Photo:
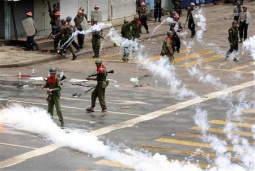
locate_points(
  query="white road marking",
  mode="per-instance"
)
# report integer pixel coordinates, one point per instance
(129, 123)
(21, 146)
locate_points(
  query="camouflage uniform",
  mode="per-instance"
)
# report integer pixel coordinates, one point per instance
(78, 20)
(127, 34)
(136, 29)
(56, 27)
(96, 42)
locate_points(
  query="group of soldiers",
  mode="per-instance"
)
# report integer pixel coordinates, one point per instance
(238, 32)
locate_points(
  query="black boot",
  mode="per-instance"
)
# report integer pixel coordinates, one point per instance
(74, 57)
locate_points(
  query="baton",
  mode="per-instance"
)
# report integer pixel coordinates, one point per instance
(90, 89)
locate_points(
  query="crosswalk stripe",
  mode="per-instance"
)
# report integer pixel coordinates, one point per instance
(193, 55)
(187, 143)
(220, 131)
(221, 122)
(203, 60)
(227, 70)
(250, 111)
(112, 164)
(248, 118)
(238, 68)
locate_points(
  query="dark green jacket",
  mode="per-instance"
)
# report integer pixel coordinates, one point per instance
(126, 30)
(233, 35)
(56, 87)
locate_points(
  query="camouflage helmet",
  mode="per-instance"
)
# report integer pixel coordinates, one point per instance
(53, 70)
(98, 61)
(63, 21)
(68, 19)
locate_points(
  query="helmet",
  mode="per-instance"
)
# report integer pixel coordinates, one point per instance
(29, 14)
(234, 22)
(176, 15)
(63, 21)
(98, 61)
(68, 19)
(238, 2)
(96, 6)
(192, 4)
(80, 11)
(125, 20)
(169, 33)
(53, 70)
(55, 5)
(142, 3)
(136, 17)
(57, 13)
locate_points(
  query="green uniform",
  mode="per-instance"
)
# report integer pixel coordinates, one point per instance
(77, 21)
(233, 40)
(96, 41)
(167, 49)
(99, 90)
(55, 24)
(126, 30)
(66, 33)
(53, 97)
(136, 28)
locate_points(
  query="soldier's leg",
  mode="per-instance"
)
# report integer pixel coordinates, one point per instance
(101, 96)
(146, 25)
(178, 44)
(241, 31)
(97, 48)
(70, 47)
(155, 14)
(50, 107)
(159, 14)
(235, 50)
(76, 46)
(81, 40)
(58, 108)
(245, 30)
(56, 42)
(228, 53)
(94, 47)
(94, 96)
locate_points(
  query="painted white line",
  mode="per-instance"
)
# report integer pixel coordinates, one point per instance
(170, 109)
(23, 157)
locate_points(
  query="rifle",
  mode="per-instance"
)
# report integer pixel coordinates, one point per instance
(49, 9)
(92, 75)
(90, 89)
(102, 38)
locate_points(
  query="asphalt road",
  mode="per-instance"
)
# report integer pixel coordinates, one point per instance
(164, 114)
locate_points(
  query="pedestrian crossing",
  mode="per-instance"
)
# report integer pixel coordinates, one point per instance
(184, 144)
(206, 59)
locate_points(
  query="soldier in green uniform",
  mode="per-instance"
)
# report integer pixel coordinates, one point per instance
(233, 40)
(55, 27)
(127, 34)
(136, 27)
(99, 90)
(65, 34)
(96, 39)
(54, 87)
(167, 47)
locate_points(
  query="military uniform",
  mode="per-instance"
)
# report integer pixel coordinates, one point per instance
(136, 29)
(127, 34)
(54, 96)
(56, 27)
(96, 42)
(78, 20)
(177, 6)
(167, 48)
(142, 12)
(233, 40)
(99, 90)
(69, 24)
(157, 10)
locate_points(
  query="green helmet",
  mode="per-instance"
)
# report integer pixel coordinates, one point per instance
(63, 21)
(53, 70)
(98, 61)
(234, 22)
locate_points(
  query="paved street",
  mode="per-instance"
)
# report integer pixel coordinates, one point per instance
(190, 111)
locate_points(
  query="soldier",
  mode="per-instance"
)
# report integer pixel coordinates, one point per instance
(55, 27)
(233, 40)
(136, 27)
(127, 34)
(99, 90)
(175, 27)
(52, 13)
(167, 47)
(191, 23)
(142, 12)
(78, 20)
(65, 34)
(69, 24)
(96, 39)
(30, 39)
(237, 10)
(244, 20)
(54, 87)
(157, 10)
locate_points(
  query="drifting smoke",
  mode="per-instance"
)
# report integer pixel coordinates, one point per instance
(249, 45)
(167, 20)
